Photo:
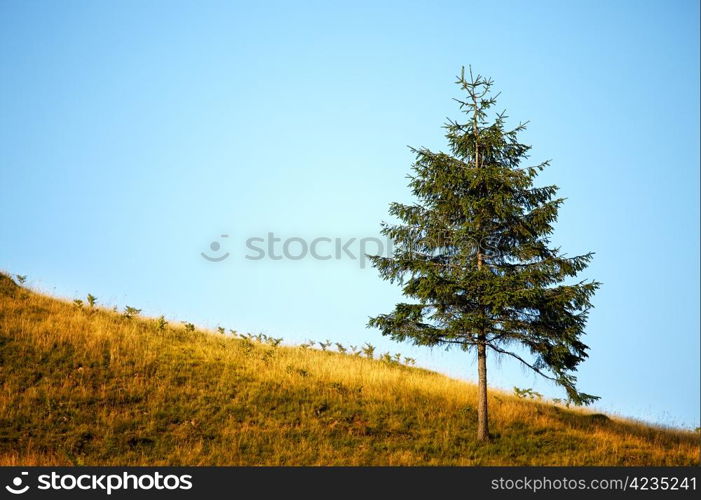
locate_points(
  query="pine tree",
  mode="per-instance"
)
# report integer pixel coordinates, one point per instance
(474, 252)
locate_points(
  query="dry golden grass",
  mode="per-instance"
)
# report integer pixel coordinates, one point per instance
(90, 387)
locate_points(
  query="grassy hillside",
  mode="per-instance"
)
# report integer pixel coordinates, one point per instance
(89, 386)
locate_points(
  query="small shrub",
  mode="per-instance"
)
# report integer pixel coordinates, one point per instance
(221, 330)
(274, 341)
(78, 303)
(341, 348)
(189, 327)
(369, 350)
(161, 324)
(130, 312)
(527, 393)
(21, 278)
(92, 300)
(325, 345)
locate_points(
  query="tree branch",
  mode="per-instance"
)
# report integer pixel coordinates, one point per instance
(539, 372)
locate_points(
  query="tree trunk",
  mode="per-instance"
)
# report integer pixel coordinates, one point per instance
(482, 412)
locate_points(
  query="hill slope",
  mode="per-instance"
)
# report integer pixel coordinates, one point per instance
(90, 387)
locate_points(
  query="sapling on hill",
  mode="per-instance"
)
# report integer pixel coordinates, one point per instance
(130, 312)
(368, 350)
(527, 393)
(161, 324)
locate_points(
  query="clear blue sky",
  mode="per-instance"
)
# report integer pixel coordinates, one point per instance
(133, 134)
